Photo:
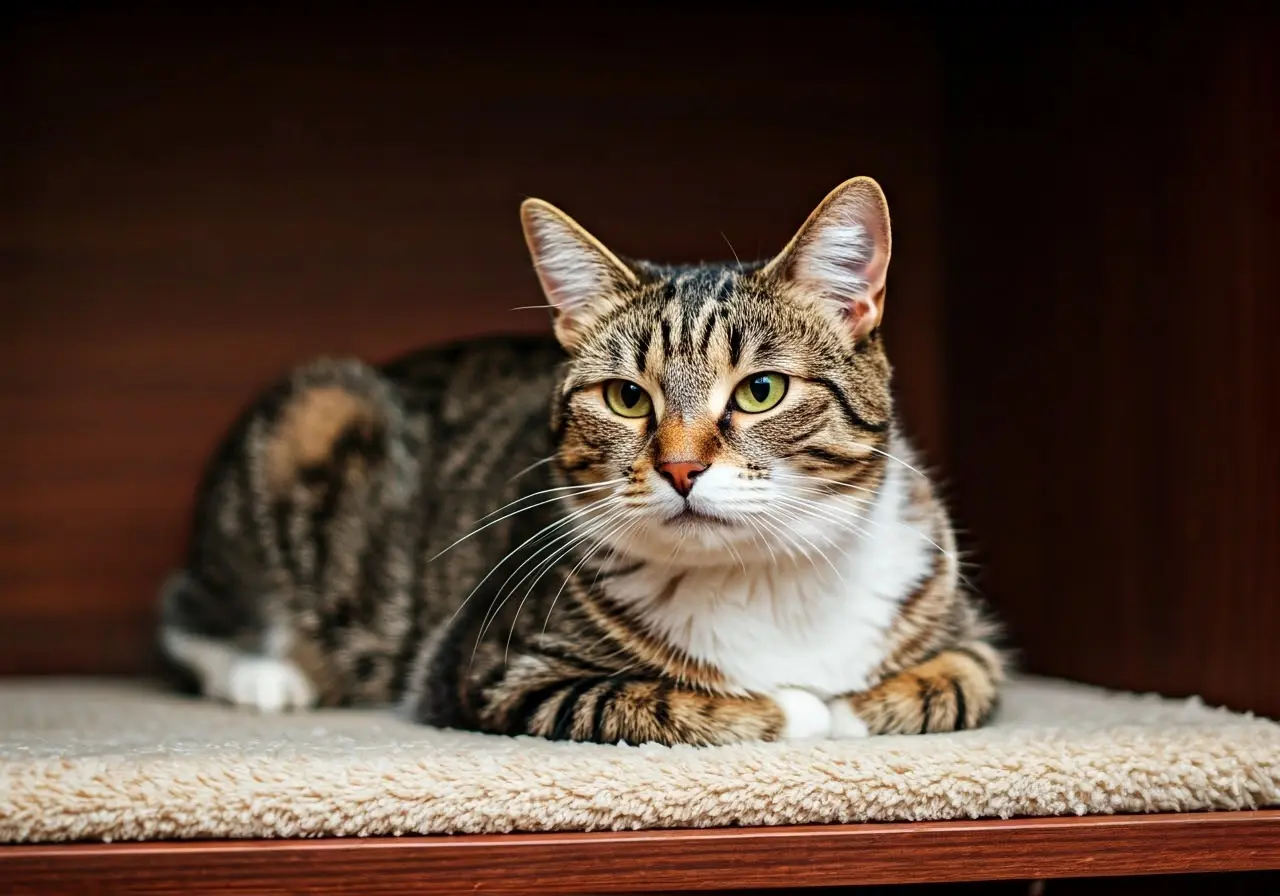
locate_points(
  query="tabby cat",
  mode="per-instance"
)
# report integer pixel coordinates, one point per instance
(689, 518)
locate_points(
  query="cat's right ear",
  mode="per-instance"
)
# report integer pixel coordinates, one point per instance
(840, 257)
(580, 277)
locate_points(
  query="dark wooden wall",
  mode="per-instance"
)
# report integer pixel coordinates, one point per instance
(191, 202)
(1112, 240)
(1082, 310)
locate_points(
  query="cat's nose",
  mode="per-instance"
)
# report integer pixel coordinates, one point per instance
(681, 474)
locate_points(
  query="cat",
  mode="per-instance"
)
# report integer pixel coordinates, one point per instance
(691, 517)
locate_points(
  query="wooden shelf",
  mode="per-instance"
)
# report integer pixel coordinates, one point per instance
(1107, 304)
(810, 856)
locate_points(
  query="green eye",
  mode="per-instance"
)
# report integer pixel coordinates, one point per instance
(760, 392)
(626, 399)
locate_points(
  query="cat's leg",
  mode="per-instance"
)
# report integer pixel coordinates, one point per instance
(297, 548)
(955, 689)
(260, 676)
(562, 703)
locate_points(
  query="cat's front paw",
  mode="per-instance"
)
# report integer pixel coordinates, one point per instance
(845, 723)
(805, 715)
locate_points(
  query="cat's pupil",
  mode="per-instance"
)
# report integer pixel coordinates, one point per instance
(630, 394)
(760, 388)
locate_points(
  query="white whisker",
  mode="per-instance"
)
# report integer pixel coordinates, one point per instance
(554, 548)
(585, 488)
(729, 547)
(894, 459)
(805, 476)
(612, 533)
(613, 553)
(736, 259)
(783, 524)
(795, 519)
(543, 531)
(537, 463)
(784, 537)
(820, 511)
(758, 535)
(547, 568)
(594, 488)
(950, 555)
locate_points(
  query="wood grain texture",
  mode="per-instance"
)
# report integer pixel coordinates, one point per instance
(677, 860)
(193, 202)
(1081, 308)
(1112, 218)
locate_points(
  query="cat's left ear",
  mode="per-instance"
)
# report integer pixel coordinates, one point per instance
(840, 257)
(580, 277)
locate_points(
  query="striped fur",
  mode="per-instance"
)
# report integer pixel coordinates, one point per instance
(474, 532)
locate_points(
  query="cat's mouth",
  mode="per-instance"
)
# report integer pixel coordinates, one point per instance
(689, 516)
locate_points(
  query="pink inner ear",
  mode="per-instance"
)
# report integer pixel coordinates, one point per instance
(862, 315)
(842, 262)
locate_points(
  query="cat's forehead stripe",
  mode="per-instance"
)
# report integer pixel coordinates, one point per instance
(716, 318)
(690, 313)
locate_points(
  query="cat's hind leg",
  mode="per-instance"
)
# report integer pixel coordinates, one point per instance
(261, 676)
(297, 584)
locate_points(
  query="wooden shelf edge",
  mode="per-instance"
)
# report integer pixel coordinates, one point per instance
(722, 858)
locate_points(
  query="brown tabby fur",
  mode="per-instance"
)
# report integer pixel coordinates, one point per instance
(381, 534)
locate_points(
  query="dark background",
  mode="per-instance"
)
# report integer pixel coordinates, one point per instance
(1082, 306)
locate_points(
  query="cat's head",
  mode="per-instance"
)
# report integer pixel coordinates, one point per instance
(723, 408)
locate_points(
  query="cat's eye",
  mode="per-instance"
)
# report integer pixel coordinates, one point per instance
(626, 399)
(760, 392)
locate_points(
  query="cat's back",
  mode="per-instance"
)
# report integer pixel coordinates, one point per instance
(482, 406)
(452, 377)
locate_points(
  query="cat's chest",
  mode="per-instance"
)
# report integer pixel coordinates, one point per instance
(819, 629)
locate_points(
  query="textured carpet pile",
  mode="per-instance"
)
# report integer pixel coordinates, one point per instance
(115, 761)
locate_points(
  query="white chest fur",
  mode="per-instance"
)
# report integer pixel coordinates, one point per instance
(813, 625)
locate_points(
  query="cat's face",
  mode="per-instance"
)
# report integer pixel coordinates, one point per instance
(724, 413)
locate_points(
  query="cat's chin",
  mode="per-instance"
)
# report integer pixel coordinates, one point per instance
(691, 517)
(692, 538)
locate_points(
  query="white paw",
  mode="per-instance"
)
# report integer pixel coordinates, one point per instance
(806, 715)
(269, 685)
(845, 722)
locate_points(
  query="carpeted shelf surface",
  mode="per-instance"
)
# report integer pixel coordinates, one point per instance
(106, 760)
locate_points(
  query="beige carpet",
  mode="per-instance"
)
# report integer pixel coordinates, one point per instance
(104, 760)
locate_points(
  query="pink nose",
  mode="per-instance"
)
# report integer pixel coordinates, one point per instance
(681, 474)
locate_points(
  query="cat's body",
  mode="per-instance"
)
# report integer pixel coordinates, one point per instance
(604, 538)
